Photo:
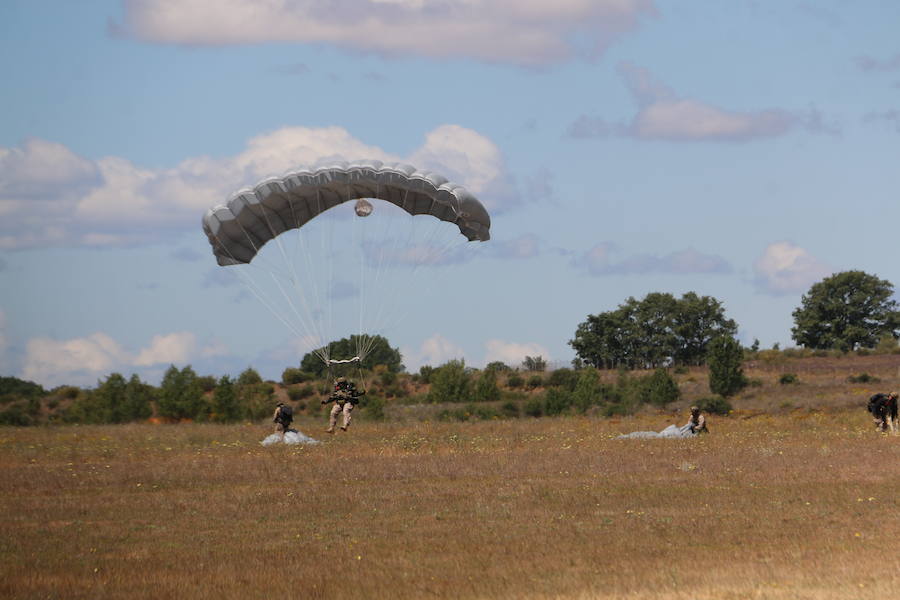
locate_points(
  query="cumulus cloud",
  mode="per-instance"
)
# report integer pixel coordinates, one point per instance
(664, 115)
(434, 351)
(524, 246)
(523, 32)
(599, 260)
(512, 353)
(50, 196)
(170, 348)
(83, 360)
(785, 268)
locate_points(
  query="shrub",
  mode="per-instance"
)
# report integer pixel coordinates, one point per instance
(535, 381)
(387, 378)
(716, 405)
(788, 378)
(486, 389)
(755, 383)
(485, 413)
(680, 370)
(498, 366)
(863, 378)
(726, 376)
(450, 383)
(453, 414)
(534, 407)
(301, 393)
(659, 388)
(564, 378)
(293, 375)
(588, 390)
(515, 381)
(374, 406)
(509, 410)
(556, 401)
(425, 373)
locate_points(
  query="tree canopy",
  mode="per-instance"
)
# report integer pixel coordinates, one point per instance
(653, 331)
(846, 311)
(381, 353)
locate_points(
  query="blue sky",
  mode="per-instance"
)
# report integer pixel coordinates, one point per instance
(743, 150)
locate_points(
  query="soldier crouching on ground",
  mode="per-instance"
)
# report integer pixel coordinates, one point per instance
(884, 411)
(697, 422)
(282, 418)
(345, 396)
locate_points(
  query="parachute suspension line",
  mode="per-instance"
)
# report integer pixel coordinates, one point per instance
(385, 251)
(320, 348)
(251, 285)
(308, 323)
(292, 277)
(359, 232)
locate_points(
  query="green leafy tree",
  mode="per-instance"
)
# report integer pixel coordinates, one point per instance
(254, 395)
(180, 394)
(226, 407)
(450, 383)
(726, 374)
(486, 389)
(659, 388)
(652, 332)
(534, 363)
(138, 401)
(588, 390)
(846, 311)
(380, 353)
(249, 376)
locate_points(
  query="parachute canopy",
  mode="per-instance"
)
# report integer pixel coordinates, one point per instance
(253, 216)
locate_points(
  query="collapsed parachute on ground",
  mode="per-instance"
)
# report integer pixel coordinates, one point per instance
(253, 216)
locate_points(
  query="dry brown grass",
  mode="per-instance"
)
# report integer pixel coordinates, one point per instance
(800, 505)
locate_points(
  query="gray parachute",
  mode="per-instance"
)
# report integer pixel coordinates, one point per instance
(238, 229)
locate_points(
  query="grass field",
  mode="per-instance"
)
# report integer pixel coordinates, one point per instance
(796, 505)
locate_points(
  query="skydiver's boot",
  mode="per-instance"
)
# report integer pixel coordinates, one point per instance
(329, 430)
(343, 428)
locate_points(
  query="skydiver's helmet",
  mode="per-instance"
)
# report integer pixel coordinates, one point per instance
(340, 383)
(695, 410)
(363, 208)
(893, 395)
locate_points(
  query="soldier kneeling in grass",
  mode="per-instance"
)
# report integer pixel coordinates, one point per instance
(884, 411)
(345, 396)
(697, 422)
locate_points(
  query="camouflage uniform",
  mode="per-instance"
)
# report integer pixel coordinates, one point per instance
(344, 398)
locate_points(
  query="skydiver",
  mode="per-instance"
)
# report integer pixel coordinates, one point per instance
(698, 421)
(884, 411)
(282, 418)
(345, 396)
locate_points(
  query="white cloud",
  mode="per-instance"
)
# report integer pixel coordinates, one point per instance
(599, 261)
(434, 351)
(524, 32)
(526, 245)
(52, 362)
(785, 268)
(82, 361)
(664, 115)
(50, 196)
(512, 353)
(170, 348)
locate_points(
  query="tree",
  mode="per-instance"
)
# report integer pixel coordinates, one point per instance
(380, 353)
(846, 311)
(659, 388)
(107, 402)
(726, 376)
(588, 390)
(450, 383)
(534, 363)
(652, 332)
(180, 394)
(226, 407)
(138, 401)
(486, 389)
(254, 395)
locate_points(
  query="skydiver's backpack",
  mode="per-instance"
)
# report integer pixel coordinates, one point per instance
(287, 414)
(876, 402)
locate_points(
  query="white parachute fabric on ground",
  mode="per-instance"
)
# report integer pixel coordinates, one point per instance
(291, 438)
(672, 431)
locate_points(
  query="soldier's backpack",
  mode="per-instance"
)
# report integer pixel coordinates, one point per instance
(287, 413)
